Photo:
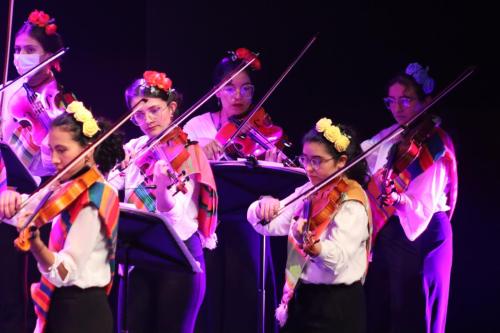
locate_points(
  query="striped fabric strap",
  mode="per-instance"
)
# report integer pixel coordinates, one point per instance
(143, 198)
(23, 146)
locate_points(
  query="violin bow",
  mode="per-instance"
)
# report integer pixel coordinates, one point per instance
(6, 61)
(397, 131)
(153, 141)
(269, 92)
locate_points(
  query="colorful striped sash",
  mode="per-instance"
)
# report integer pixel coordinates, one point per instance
(437, 146)
(105, 199)
(23, 145)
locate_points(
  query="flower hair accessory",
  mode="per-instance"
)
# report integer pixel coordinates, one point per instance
(333, 134)
(421, 75)
(158, 80)
(246, 55)
(43, 20)
(81, 114)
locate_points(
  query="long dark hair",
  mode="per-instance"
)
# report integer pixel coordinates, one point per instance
(107, 154)
(358, 172)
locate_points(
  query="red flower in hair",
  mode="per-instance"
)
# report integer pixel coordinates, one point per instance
(158, 80)
(51, 29)
(247, 55)
(39, 18)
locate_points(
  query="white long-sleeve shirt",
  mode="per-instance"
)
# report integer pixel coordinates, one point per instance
(183, 217)
(343, 257)
(424, 196)
(84, 255)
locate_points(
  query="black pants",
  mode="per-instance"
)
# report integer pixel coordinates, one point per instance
(76, 310)
(166, 301)
(408, 281)
(318, 308)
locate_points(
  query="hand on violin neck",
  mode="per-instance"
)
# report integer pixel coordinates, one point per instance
(311, 245)
(268, 208)
(390, 196)
(10, 203)
(162, 179)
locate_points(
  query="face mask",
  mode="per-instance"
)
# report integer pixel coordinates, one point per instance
(25, 62)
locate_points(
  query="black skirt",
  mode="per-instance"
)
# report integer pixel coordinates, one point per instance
(76, 310)
(317, 308)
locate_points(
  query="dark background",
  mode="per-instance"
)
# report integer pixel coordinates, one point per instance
(361, 45)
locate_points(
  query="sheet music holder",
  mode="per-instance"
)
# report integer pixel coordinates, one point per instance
(146, 240)
(18, 175)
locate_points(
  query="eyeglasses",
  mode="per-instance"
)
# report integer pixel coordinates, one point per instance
(246, 90)
(140, 116)
(315, 161)
(402, 101)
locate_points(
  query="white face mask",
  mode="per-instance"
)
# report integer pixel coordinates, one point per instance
(25, 62)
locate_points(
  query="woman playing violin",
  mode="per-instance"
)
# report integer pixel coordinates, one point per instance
(78, 263)
(29, 106)
(25, 129)
(174, 298)
(408, 281)
(235, 101)
(328, 235)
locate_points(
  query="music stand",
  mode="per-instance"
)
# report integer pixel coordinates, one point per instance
(18, 175)
(146, 240)
(239, 184)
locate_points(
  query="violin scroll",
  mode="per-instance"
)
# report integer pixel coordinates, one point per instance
(23, 241)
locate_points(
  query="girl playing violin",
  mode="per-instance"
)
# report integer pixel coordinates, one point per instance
(235, 101)
(408, 282)
(328, 236)
(29, 106)
(78, 263)
(167, 301)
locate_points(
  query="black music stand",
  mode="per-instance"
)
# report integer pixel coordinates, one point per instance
(146, 240)
(239, 184)
(18, 175)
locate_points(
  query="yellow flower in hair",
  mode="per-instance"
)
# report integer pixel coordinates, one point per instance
(323, 124)
(332, 134)
(90, 127)
(74, 106)
(342, 143)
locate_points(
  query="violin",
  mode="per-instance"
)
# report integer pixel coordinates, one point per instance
(406, 151)
(31, 110)
(47, 209)
(259, 135)
(171, 149)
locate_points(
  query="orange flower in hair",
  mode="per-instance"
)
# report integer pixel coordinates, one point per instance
(42, 20)
(158, 80)
(246, 55)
